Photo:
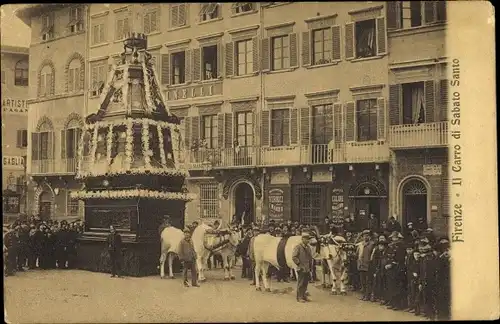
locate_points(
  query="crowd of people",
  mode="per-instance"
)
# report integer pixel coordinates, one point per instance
(32, 243)
(403, 268)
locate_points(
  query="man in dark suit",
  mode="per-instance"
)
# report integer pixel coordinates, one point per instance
(187, 256)
(114, 241)
(302, 257)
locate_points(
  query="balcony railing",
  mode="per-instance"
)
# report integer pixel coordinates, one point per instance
(322, 154)
(419, 135)
(54, 166)
(222, 158)
(366, 152)
(281, 155)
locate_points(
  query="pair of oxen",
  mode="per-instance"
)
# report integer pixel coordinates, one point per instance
(266, 250)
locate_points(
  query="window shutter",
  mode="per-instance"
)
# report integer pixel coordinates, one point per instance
(306, 52)
(441, 10)
(165, 69)
(294, 126)
(174, 15)
(305, 133)
(255, 52)
(229, 59)
(187, 135)
(187, 66)
(70, 80)
(78, 140)
(220, 127)
(266, 55)
(381, 118)
(394, 104)
(429, 14)
(195, 128)
(35, 146)
(102, 33)
(182, 15)
(329, 123)
(265, 127)
(350, 123)
(228, 129)
(50, 83)
(336, 56)
(50, 146)
(63, 144)
(19, 140)
(337, 115)
(147, 26)
(349, 41)
(381, 36)
(294, 52)
(443, 99)
(220, 59)
(126, 28)
(119, 29)
(196, 64)
(78, 79)
(393, 14)
(429, 101)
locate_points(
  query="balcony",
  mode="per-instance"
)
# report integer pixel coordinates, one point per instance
(281, 155)
(426, 135)
(366, 152)
(222, 158)
(53, 166)
(322, 154)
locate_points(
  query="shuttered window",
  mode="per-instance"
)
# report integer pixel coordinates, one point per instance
(280, 127)
(98, 72)
(210, 131)
(151, 20)
(21, 73)
(241, 7)
(46, 81)
(209, 200)
(366, 45)
(409, 14)
(98, 33)
(366, 38)
(209, 11)
(122, 28)
(22, 138)
(244, 58)
(74, 83)
(413, 111)
(244, 128)
(178, 15)
(322, 129)
(178, 67)
(210, 57)
(322, 46)
(280, 52)
(366, 120)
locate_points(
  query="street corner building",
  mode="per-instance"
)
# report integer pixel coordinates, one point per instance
(288, 110)
(15, 67)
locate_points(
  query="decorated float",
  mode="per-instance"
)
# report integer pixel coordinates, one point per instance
(129, 164)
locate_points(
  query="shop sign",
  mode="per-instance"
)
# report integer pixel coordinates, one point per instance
(322, 176)
(279, 178)
(338, 206)
(14, 106)
(13, 162)
(432, 169)
(196, 91)
(276, 204)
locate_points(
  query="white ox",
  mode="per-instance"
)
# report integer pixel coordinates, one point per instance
(265, 252)
(334, 252)
(170, 240)
(206, 240)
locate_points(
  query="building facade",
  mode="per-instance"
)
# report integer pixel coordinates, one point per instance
(15, 78)
(57, 105)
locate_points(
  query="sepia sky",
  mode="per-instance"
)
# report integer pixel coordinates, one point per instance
(13, 31)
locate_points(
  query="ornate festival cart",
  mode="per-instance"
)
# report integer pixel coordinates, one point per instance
(129, 164)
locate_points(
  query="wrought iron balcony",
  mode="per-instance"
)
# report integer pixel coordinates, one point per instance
(418, 135)
(53, 166)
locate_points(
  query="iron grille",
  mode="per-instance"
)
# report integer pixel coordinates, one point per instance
(310, 198)
(209, 200)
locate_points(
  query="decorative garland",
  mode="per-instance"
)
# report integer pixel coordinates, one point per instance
(108, 84)
(80, 152)
(160, 143)
(94, 145)
(109, 144)
(133, 193)
(146, 153)
(124, 122)
(135, 171)
(125, 87)
(149, 103)
(128, 144)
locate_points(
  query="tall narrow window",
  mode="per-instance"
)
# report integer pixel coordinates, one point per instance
(98, 33)
(366, 119)
(245, 57)
(322, 46)
(244, 130)
(210, 131)
(209, 11)
(209, 200)
(74, 75)
(322, 124)
(46, 80)
(178, 67)
(122, 28)
(178, 15)
(365, 38)
(209, 57)
(98, 78)
(21, 73)
(281, 51)
(280, 127)
(413, 103)
(151, 21)
(22, 138)
(411, 13)
(47, 32)
(75, 19)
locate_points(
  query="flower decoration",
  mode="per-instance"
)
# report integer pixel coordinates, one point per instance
(132, 193)
(109, 144)
(162, 147)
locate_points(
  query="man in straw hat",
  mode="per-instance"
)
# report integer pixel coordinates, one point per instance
(302, 257)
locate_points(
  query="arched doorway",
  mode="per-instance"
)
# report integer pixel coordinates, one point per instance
(244, 202)
(414, 195)
(367, 201)
(45, 205)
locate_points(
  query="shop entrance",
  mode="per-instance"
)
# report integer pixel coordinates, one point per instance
(244, 203)
(414, 201)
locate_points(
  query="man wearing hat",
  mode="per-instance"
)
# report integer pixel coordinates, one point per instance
(395, 271)
(443, 288)
(243, 251)
(11, 243)
(114, 242)
(302, 258)
(187, 256)
(364, 252)
(411, 269)
(427, 280)
(379, 260)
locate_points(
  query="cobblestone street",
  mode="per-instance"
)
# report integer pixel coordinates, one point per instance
(58, 296)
